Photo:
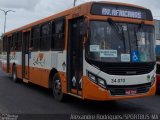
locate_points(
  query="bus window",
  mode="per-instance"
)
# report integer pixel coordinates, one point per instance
(58, 43)
(8, 47)
(46, 36)
(19, 37)
(53, 33)
(35, 38)
(5, 44)
(14, 42)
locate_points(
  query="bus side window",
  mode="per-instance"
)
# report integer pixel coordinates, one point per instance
(46, 36)
(35, 38)
(16, 41)
(59, 35)
(13, 41)
(4, 44)
(52, 35)
(8, 43)
(19, 41)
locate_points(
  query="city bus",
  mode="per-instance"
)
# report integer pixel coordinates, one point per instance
(96, 51)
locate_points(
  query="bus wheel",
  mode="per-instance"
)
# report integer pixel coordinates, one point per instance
(57, 88)
(14, 74)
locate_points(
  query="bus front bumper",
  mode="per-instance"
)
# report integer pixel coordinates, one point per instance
(92, 91)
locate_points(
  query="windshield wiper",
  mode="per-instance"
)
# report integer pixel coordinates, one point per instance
(139, 30)
(116, 29)
(137, 39)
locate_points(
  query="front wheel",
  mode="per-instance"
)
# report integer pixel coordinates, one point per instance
(57, 88)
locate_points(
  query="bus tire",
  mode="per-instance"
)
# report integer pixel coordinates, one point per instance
(57, 88)
(14, 73)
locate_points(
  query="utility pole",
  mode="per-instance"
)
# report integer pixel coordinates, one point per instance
(5, 13)
(74, 4)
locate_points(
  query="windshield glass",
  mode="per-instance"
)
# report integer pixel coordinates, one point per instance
(120, 42)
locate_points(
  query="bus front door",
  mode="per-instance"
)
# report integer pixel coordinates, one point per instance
(25, 56)
(75, 57)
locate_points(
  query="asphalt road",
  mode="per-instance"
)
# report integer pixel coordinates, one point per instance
(21, 98)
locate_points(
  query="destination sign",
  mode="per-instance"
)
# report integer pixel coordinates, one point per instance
(121, 11)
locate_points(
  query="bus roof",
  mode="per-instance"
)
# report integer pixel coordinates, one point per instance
(86, 8)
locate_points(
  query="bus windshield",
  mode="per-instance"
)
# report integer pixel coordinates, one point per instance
(120, 42)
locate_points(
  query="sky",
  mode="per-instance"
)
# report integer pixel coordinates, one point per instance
(27, 11)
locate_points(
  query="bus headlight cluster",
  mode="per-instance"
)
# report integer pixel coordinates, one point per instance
(92, 77)
(97, 80)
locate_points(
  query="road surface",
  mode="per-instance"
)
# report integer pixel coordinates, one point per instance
(21, 98)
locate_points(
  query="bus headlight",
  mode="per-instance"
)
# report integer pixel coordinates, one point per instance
(99, 81)
(92, 77)
(102, 82)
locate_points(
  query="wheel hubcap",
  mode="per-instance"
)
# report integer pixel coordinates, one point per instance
(57, 88)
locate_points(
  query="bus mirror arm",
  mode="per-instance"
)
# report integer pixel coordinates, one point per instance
(85, 29)
(85, 26)
(85, 39)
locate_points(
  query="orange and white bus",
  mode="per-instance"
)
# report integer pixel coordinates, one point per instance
(97, 50)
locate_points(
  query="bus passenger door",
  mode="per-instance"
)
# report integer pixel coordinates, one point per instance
(8, 53)
(75, 57)
(25, 55)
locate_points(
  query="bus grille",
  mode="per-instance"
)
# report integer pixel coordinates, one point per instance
(120, 90)
(128, 69)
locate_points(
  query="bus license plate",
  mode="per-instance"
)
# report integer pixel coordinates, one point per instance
(131, 92)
